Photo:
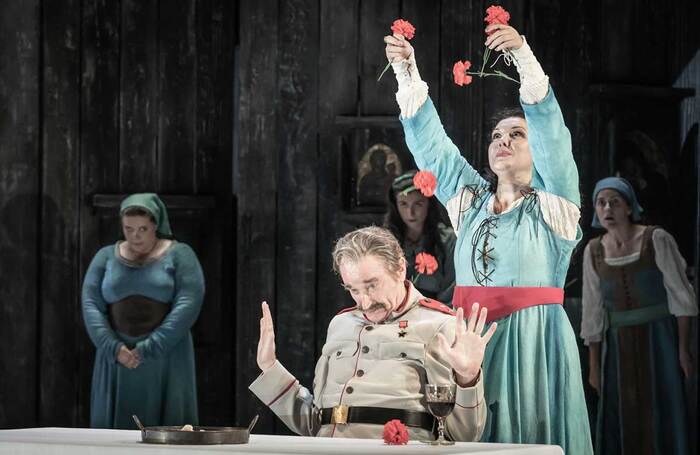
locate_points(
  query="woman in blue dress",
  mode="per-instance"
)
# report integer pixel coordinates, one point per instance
(637, 305)
(140, 298)
(515, 236)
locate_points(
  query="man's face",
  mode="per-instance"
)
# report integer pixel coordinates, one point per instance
(376, 290)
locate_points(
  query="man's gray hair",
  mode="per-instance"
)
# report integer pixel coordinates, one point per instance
(369, 241)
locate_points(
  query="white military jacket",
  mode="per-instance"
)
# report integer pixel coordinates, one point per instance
(367, 364)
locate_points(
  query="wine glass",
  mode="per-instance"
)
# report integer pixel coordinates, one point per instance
(441, 400)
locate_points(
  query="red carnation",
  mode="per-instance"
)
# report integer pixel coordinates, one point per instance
(404, 28)
(426, 263)
(459, 72)
(426, 182)
(395, 433)
(496, 15)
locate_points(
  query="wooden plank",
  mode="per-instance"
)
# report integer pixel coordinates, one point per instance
(297, 199)
(138, 88)
(177, 63)
(634, 92)
(368, 121)
(616, 23)
(99, 145)
(257, 179)
(60, 280)
(338, 85)
(460, 108)
(19, 209)
(171, 201)
(215, 25)
(425, 16)
(375, 22)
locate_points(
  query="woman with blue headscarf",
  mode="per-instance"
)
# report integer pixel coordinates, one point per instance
(636, 307)
(140, 298)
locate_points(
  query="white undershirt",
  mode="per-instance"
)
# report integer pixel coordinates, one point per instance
(561, 215)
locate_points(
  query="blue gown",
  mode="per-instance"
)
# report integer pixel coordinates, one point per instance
(642, 407)
(162, 389)
(532, 370)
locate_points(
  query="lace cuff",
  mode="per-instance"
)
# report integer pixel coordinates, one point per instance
(413, 91)
(534, 84)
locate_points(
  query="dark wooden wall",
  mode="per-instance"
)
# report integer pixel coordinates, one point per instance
(101, 97)
(309, 95)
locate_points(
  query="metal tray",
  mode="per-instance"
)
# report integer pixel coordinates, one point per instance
(198, 436)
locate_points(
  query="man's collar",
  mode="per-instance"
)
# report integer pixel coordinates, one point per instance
(410, 301)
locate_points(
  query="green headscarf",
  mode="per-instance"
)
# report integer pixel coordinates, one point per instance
(153, 205)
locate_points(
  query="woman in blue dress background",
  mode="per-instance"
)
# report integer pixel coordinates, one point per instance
(140, 298)
(515, 236)
(637, 305)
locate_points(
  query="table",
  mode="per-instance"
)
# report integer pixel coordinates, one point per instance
(84, 441)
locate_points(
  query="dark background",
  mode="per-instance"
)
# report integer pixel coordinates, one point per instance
(250, 118)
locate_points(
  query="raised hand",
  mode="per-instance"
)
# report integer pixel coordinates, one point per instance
(466, 352)
(129, 359)
(503, 38)
(397, 48)
(266, 345)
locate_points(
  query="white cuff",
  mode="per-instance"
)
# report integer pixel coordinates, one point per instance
(534, 84)
(413, 91)
(272, 383)
(470, 397)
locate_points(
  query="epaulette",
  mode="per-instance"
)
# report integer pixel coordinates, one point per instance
(437, 306)
(347, 310)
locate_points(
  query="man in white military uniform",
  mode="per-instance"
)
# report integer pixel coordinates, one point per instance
(379, 355)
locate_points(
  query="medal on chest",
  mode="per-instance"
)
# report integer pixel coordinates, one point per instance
(402, 328)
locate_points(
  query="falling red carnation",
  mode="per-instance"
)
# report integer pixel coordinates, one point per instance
(459, 72)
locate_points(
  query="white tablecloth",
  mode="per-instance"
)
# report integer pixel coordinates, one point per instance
(83, 441)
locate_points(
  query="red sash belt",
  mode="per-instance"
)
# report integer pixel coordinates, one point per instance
(502, 301)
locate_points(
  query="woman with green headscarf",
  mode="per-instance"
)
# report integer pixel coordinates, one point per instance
(140, 298)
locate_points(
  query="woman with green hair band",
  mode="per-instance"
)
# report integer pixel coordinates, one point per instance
(140, 298)
(416, 222)
(637, 305)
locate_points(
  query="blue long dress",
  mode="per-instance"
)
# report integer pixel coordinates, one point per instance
(532, 370)
(162, 389)
(642, 407)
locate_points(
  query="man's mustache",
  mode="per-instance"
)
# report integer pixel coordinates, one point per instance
(374, 306)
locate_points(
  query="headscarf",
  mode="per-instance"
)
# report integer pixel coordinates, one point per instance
(153, 205)
(623, 187)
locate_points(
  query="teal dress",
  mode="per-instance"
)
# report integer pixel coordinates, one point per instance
(532, 370)
(162, 389)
